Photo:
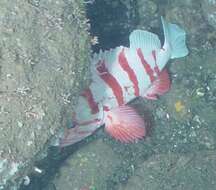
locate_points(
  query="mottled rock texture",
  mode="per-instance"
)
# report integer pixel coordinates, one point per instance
(175, 171)
(209, 11)
(44, 49)
(88, 168)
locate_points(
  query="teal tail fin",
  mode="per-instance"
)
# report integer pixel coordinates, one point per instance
(175, 37)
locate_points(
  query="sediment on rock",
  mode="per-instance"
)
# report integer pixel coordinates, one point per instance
(44, 50)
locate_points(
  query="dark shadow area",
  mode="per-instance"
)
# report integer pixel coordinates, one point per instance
(50, 165)
(112, 22)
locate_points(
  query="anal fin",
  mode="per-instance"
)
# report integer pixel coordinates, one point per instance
(160, 86)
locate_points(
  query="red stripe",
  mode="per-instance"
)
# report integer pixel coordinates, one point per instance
(111, 81)
(132, 76)
(147, 67)
(90, 99)
(156, 69)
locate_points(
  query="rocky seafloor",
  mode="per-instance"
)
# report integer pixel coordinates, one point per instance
(179, 150)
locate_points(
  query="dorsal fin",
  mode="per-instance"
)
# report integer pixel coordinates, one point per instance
(145, 40)
(109, 56)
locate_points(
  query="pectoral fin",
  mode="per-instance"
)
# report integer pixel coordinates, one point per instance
(124, 124)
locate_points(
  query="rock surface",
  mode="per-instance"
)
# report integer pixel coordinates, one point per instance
(87, 168)
(44, 49)
(175, 171)
(209, 11)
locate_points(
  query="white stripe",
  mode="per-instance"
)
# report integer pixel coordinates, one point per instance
(121, 76)
(163, 56)
(102, 93)
(136, 64)
(100, 90)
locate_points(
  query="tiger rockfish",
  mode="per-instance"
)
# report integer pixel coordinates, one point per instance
(120, 75)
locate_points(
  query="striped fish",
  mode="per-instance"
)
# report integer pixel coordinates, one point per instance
(120, 75)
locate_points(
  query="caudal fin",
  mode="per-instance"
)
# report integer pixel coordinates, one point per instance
(175, 37)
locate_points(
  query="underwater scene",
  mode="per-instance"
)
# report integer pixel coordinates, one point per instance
(108, 94)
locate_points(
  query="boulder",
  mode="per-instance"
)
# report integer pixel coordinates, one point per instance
(44, 51)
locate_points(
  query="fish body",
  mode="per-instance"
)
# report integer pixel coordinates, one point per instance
(120, 75)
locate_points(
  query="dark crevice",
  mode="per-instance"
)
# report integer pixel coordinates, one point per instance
(112, 22)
